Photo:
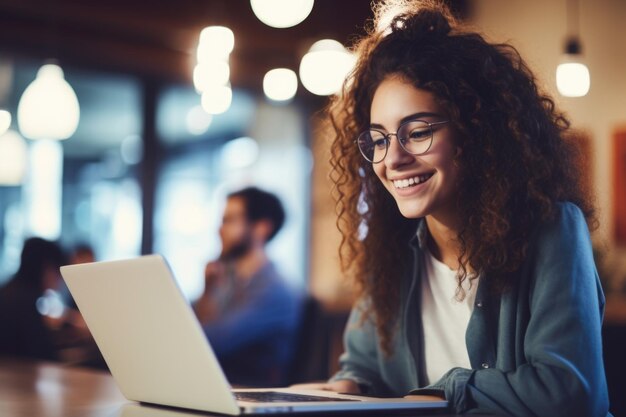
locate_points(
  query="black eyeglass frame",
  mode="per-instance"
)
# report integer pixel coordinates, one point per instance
(387, 137)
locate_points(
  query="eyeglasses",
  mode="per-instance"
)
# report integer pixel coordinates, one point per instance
(415, 137)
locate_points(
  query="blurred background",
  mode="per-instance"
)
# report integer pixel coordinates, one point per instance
(159, 118)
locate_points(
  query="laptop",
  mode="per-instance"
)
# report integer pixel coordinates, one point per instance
(158, 353)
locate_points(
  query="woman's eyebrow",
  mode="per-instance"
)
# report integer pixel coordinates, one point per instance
(407, 118)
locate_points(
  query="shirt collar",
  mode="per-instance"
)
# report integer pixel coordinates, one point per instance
(421, 235)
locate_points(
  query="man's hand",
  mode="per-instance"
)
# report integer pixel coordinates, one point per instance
(214, 275)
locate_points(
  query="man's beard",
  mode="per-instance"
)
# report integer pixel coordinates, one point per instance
(237, 250)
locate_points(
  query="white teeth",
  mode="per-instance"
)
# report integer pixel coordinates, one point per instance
(411, 181)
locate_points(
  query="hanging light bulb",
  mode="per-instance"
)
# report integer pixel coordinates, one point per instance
(13, 158)
(210, 73)
(324, 68)
(280, 84)
(281, 13)
(48, 109)
(216, 42)
(572, 75)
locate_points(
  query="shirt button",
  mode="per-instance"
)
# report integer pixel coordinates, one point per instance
(479, 304)
(485, 365)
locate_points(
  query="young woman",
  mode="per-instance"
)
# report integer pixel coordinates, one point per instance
(465, 224)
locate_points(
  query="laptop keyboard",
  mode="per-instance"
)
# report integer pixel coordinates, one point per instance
(275, 397)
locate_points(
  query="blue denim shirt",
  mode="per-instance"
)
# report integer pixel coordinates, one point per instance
(535, 350)
(254, 335)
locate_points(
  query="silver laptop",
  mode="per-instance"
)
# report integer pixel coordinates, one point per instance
(158, 353)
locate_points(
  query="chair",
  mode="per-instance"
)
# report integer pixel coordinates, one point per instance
(314, 355)
(614, 344)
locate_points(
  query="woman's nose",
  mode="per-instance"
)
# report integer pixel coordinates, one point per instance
(396, 155)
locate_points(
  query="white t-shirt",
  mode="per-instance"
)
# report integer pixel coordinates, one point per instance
(444, 319)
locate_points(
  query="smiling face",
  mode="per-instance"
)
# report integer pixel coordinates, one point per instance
(422, 185)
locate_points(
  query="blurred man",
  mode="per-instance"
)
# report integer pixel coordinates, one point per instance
(247, 310)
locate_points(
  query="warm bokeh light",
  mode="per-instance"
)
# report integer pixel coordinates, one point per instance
(572, 79)
(280, 84)
(216, 42)
(5, 121)
(48, 109)
(13, 158)
(217, 99)
(211, 75)
(281, 13)
(324, 68)
(214, 72)
(387, 14)
(198, 121)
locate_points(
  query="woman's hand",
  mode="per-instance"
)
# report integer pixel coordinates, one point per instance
(344, 386)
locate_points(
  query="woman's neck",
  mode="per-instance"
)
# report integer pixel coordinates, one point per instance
(442, 240)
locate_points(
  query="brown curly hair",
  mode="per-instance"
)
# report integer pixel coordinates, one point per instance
(515, 162)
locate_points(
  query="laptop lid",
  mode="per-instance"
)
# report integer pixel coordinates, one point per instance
(157, 352)
(148, 334)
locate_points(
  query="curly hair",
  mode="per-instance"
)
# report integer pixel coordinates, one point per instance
(516, 162)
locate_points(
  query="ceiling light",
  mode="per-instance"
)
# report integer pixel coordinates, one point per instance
(210, 73)
(572, 75)
(280, 84)
(48, 109)
(325, 67)
(281, 13)
(216, 42)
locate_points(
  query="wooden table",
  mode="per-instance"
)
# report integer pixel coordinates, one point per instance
(40, 389)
